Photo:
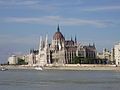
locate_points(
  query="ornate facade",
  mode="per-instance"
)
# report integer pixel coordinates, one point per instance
(59, 51)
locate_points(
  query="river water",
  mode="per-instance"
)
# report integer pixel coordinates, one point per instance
(59, 80)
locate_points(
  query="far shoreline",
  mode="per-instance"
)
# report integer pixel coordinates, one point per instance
(74, 67)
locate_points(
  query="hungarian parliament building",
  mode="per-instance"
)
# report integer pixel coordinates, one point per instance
(59, 51)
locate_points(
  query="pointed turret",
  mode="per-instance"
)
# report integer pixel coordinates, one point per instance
(46, 41)
(58, 29)
(40, 44)
(71, 38)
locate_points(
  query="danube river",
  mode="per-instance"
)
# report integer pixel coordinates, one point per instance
(59, 80)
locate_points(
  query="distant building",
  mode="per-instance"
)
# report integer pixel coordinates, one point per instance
(117, 53)
(12, 60)
(107, 55)
(31, 57)
(15, 59)
(100, 55)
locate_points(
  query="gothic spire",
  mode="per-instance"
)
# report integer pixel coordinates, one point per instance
(58, 29)
(71, 38)
(40, 45)
(46, 41)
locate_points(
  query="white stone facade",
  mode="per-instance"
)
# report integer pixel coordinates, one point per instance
(42, 55)
(12, 60)
(117, 54)
(40, 58)
(107, 55)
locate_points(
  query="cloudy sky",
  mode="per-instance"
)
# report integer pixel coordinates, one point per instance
(22, 22)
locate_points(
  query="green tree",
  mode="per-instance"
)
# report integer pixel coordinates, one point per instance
(77, 60)
(83, 60)
(21, 61)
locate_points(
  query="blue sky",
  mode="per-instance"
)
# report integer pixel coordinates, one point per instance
(22, 22)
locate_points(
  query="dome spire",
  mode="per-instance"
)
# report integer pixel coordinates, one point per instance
(71, 38)
(75, 39)
(58, 35)
(58, 29)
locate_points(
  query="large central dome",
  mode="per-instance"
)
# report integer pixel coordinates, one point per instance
(58, 35)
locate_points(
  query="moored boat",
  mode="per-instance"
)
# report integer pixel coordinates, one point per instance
(38, 68)
(3, 69)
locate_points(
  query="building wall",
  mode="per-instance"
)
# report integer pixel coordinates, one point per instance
(112, 56)
(117, 54)
(32, 59)
(107, 54)
(86, 51)
(12, 60)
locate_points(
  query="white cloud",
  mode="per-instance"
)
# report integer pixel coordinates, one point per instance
(18, 2)
(52, 20)
(102, 8)
(27, 4)
(53, 5)
(47, 2)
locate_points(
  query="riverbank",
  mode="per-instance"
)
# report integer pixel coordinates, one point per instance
(68, 67)
(85, 67)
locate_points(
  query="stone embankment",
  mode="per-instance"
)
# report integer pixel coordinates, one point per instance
(68, 67)
(85, 67)
(16, 67)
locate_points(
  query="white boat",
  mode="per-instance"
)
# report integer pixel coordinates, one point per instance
(38, 68)
(3, 69)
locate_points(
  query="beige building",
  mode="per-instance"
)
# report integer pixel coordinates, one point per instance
(107, 55)
(113, 56)
(117, 53)
(12, 60)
